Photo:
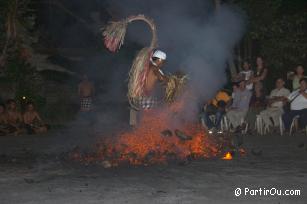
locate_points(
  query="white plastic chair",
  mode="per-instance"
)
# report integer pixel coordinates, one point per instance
(224, 123)
(281, 126)
(294, 124)
(259, 125)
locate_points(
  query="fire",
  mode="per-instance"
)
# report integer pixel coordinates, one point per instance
(227, 156)
(162, 136)
(158, 141)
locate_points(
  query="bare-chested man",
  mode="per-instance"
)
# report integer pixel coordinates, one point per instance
(154, 76)
(86, 92)
(148, 100)
(33, 121)
(14, 118)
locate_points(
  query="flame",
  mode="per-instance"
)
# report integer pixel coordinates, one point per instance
(227, 156)
(149, 145)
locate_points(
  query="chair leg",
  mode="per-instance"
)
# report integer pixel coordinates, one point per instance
(262, 127)
(256, 126)
(281, 126)
(295, 124)
(226, 124)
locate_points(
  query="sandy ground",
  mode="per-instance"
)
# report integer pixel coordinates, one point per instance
(30, 172)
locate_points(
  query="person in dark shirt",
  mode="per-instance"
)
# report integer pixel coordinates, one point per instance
(257, 104)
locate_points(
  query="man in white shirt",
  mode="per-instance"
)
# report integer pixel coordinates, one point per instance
(247, 74)
(298, 101)
(276, 101)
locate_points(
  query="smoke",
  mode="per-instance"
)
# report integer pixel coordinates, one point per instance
(197, 39)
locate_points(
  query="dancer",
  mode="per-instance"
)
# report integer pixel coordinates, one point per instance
(146, 69)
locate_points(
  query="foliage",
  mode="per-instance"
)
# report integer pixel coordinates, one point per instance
(279, 28)
(27, 82)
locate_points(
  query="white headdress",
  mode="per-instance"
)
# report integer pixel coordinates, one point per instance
(159, 54)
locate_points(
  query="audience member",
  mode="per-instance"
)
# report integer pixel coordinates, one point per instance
(240, 105)
(14, 118)
(3, 121)
(299, 74)
(298, 106)
(261, 73)
(276, 102)
(256, 105)
(33, 121)
(215, 107)
(247, 74)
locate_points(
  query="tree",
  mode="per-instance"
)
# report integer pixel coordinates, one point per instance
(276, 30)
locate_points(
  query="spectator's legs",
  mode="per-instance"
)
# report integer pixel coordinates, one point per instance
(303, 118)
(265, 115)
(235, 117)
(269, 113)
(208, 121)
(287, 118)
(218, 118)
(275, 115)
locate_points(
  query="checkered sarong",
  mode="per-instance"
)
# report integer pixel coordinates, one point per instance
(86, 104)
(147, 102)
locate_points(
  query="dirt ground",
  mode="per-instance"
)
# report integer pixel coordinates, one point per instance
(31, 171)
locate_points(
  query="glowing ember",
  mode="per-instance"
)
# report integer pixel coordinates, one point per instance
(227, 156)
(155, 142)
(162, 136)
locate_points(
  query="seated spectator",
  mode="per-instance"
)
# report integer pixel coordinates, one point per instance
(240, 105)
(14, 118)
(256, 105)
(247, 74)
(33, 121)
(299, 74)
(298, 106)
(217, 108)
(276, 102)
(3, 121)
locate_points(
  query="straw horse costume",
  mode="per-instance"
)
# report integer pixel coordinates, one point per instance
(143, 64)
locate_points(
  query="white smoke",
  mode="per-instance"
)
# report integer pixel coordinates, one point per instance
(197, 39)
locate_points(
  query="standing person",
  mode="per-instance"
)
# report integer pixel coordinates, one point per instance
(261, 73)
(299, 74)
(298, 106)
(276, 102)
(240, 105)
(145, 71)
(247, 74)
(14, 118)
(86, 92)
(33, 121)
(217, 107)
(148, 99)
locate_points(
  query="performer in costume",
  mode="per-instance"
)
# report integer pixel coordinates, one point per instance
(146, 68)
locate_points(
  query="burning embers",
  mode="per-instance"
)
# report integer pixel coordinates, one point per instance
(155, 142)
(158, 139)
